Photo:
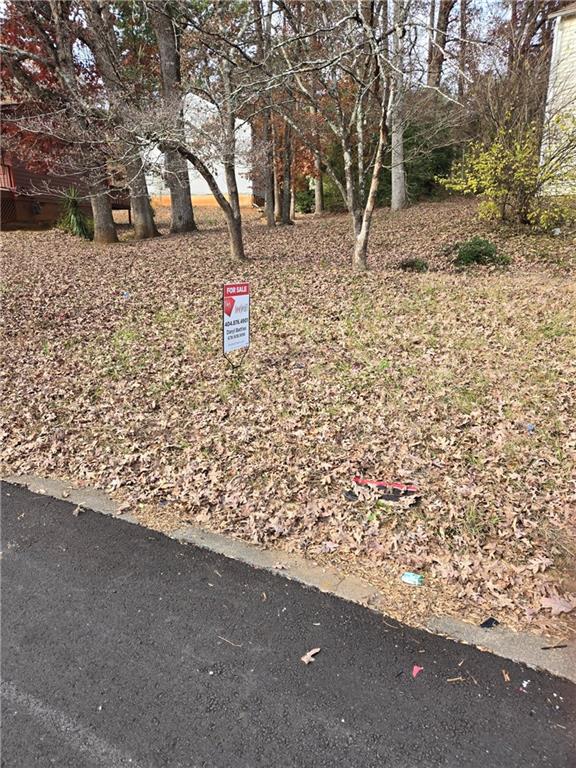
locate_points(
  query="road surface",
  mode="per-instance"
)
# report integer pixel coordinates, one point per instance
(122, 647)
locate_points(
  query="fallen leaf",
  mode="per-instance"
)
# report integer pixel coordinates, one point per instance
(416, 670)
(506, 676)
(557, 604)
(308, 658)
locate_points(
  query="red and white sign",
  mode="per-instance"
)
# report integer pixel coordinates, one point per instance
(235, 316)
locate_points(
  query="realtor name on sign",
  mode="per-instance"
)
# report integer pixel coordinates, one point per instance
(235, 317)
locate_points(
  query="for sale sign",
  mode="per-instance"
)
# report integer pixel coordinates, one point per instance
(235, 316)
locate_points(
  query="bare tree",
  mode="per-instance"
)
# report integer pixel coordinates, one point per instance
(351, 74)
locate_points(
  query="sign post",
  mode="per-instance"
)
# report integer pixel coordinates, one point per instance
(235, 319)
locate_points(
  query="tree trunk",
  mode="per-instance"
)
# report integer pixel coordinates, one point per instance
(104, 226)
(269, 171)
(318, 185)
(263, 31)
(360, 258)
(142, 215)
(351, 190)
(462, 49)
(360, 150)
(231, 209)
(236, 242)
(276, 177)
(182, 213)
(399, 195)
(293, 199)
(287, 175)
(438, 51)
(431, 32)
(234, 218)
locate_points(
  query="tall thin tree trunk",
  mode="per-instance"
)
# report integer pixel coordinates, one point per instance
(351, 189)
(398, 173)
(231, 208)
(287, 175)
(360, 137)
(178, 181)
(235, 218)
(318, 184)
(142, 215)
(399, 192)
(263, 30)
(276, 176)
(293, 198)
(431, 32)
(360, 258)
(232, 211)
(182, 213)
(269, 175)
(104, 226)
(462, 49)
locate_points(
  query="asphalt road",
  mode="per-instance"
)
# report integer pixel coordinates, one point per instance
(121, 647)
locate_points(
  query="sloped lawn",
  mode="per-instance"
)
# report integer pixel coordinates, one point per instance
(462, 383)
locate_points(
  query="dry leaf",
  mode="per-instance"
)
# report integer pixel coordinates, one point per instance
(308, 658)
(506, 676)
(557, 604)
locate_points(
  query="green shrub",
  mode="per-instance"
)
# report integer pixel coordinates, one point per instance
(305, 201)
(479, 251)
(516, 172)
(414, 265)
(73, 219)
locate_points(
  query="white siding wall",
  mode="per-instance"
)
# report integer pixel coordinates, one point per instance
(199, 116)
(562, 85)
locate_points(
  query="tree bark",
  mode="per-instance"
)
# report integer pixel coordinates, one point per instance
(269, 171)
(234, 219)
(462, 49)
(398, 173)
(437, 58)
(236, 241)
(142, 216)
(178, 181)
(318, 185)
(231, 209)
(182, 213)
(287, 175)
(263, 31)
(431, 32)
(104, 226)
(360, 259)
(399, 193)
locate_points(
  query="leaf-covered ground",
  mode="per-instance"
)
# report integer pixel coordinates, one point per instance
(462, 383)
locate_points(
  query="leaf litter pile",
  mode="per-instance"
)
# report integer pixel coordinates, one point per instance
(460, 383)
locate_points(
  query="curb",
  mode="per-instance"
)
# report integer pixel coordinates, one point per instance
(516, 646)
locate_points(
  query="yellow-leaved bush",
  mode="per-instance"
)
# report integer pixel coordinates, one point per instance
(518, 174)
